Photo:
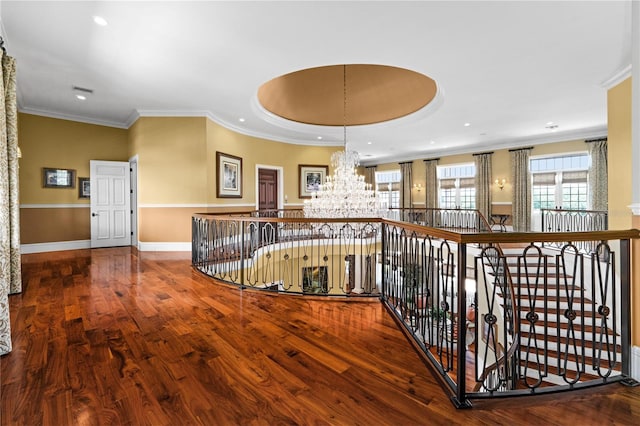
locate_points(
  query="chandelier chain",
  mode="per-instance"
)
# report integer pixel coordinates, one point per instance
(344, 109)
(345, 194)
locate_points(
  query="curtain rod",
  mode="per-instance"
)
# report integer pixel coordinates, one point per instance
(596, 140)
(483, 153)
(520, 149)
(432, 159)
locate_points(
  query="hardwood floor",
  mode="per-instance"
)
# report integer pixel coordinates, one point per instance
(116, 336)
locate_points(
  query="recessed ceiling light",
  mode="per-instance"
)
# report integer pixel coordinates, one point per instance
(433, 142)
(549, 123)
(100, 21)
(467, 124)
(369, 143)
(319, 138)
(81, 97)
(241, 120)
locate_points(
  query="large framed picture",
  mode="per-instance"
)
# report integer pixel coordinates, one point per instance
(229, 175)
(58, 178)
(311, 177)
(84, 187)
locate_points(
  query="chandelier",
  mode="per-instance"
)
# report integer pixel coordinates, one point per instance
(345, 194)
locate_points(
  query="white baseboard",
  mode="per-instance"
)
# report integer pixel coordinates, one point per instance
(55, 246)
(85, 244)
(635, 362)
(164, 246)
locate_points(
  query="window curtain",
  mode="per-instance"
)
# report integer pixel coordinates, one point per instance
(406, 197)
(10, 272)
(370, 175)
(431, 184)
(598, 183)
(520, 176)
(483, 184)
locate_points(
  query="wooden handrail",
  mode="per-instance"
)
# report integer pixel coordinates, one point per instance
(458, 237)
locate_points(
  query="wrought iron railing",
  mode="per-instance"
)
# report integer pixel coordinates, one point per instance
(565, 220)
(292, 255)
(494, 314)
(461, 220)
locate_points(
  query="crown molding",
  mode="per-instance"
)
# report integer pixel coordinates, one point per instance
(617, 77)
(133, 117)
(71, 117)
(554, 137)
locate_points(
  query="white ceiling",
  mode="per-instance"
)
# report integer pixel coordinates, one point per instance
(508, 68)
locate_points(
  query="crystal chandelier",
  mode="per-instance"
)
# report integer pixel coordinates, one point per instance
(345, 194)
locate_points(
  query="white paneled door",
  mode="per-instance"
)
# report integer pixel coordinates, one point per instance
(110, 204)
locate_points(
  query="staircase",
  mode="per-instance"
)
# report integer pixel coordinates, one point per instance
(561, 329)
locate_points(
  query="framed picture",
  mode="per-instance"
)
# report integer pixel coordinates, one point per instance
(84, 187)
(311, 177)
(229, 175)
(58, 178)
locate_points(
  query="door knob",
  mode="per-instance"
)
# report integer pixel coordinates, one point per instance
(94, 214)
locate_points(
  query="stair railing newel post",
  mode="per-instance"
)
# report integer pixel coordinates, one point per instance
(461, 392)
(242, 252)
(625, 306)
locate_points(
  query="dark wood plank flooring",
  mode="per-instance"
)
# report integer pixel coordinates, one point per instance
(117, 336)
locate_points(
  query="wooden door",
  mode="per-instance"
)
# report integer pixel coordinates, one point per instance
(267, 189)
(268, 204)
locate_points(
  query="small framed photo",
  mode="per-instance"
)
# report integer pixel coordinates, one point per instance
(311, 177)
(84, 187)
(58, 178)
(229, 175)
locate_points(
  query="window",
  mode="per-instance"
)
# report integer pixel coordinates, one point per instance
(560, 182)
(457, 186)
(388, 185)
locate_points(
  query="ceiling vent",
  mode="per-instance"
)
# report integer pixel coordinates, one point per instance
(83, 90)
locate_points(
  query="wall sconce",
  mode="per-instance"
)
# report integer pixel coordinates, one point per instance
(418, 186)
(500, 183)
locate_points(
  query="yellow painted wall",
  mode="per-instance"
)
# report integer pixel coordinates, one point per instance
(264, 152)
(51, 142)
(619, 155)
(620, 185)
(176, 172)
(55, 143)
(172, 159)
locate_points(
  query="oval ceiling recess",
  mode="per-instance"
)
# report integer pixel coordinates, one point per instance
(374, 93)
